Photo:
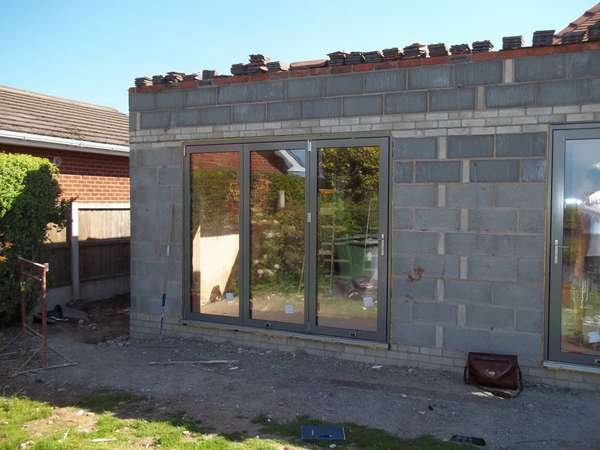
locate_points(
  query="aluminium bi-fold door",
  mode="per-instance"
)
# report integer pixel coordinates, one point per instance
(289, 235)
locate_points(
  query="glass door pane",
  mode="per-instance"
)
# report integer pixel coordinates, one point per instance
(215, 233)
(348, 237)
(277, 237)
(580, 272)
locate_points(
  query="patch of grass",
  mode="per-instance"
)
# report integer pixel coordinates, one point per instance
(357, 436)
(100, 401)
(46, 427)
(49, 427)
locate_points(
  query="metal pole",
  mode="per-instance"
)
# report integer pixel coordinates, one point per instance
(44, 316)
(23, 306)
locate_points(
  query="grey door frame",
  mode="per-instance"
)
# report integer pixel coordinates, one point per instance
(560, 135)
(244, 148)
(382, 306)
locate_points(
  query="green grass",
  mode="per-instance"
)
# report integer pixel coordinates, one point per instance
(358, 436)
(119, 416)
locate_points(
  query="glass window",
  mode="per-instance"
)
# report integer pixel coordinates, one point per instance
(580, 306)
(215, 238)
(277, 235)
(348, 238)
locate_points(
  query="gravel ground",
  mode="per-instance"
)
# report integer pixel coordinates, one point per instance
(407, 402)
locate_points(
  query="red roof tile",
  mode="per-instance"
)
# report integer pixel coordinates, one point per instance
(582, 23)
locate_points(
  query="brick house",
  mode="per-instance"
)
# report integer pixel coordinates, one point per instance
(90, 146)
(446, 204)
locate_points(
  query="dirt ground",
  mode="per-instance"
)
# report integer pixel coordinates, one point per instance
(281, 385)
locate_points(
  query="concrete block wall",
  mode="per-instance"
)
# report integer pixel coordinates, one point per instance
(468, 191)
(468, 242)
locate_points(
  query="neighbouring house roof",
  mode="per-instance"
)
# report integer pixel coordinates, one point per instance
(582, 23)
(29, 118)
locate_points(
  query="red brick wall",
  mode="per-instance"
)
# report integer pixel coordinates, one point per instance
(88, 177)
(260, 161)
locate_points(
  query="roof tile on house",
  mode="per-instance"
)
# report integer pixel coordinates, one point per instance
(582, 23)
(33, 113)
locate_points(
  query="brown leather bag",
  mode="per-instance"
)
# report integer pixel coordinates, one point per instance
(489, 370)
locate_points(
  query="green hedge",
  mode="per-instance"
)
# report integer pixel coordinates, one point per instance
(29, 201)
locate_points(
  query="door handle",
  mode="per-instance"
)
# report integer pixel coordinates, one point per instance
(382, 245)
(556, 247)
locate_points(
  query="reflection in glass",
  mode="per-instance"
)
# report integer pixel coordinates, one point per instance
(215, 209)
(580, 308)
(277, 235)
(348, 245)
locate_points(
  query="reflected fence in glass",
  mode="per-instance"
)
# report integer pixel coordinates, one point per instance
(215, 232)
(277, 212)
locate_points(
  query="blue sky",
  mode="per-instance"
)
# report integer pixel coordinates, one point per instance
(91, 50)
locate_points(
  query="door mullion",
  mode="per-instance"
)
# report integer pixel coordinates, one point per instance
(311, 254)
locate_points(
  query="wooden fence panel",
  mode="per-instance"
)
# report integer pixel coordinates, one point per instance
(106, 258)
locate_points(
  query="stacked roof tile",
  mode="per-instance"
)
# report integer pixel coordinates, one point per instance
(585, 28)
